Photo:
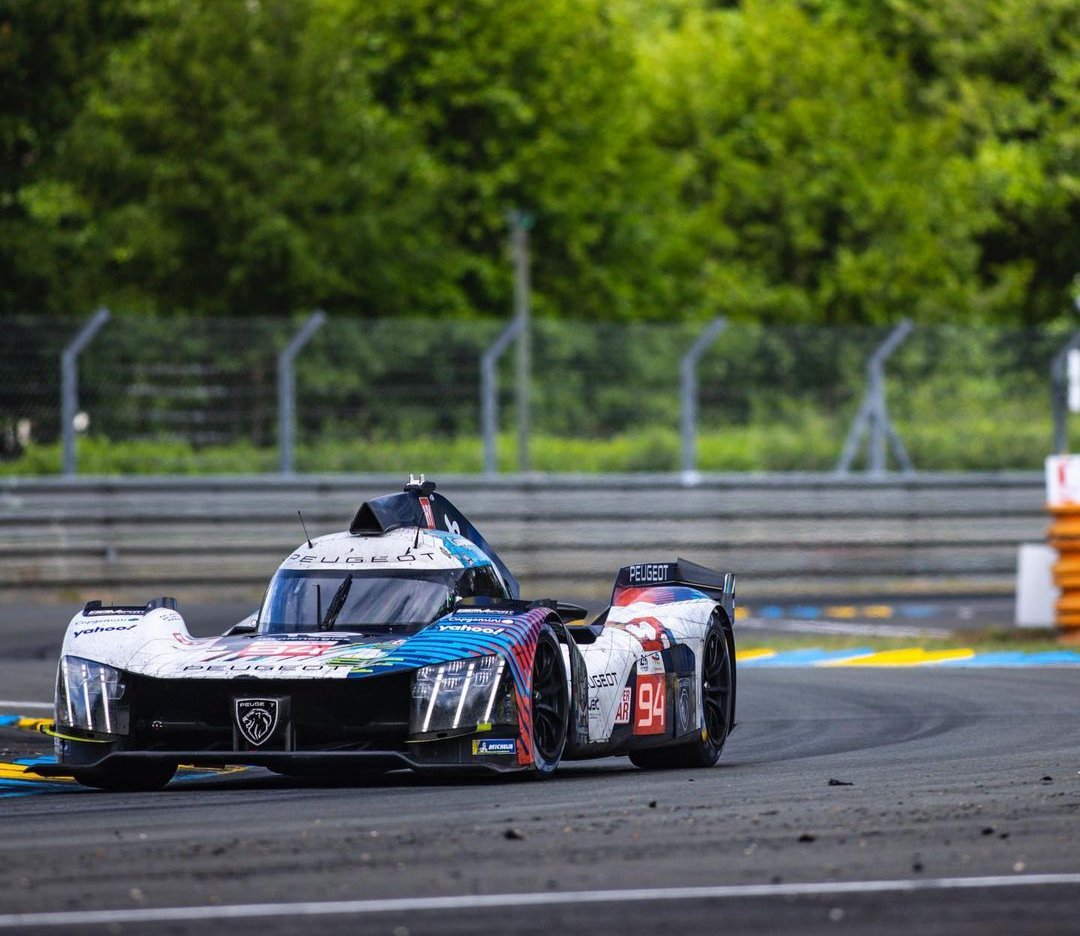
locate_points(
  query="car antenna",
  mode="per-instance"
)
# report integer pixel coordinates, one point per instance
(307, 536)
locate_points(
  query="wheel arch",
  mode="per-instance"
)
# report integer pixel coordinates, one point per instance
(577, 673)
(729, 635)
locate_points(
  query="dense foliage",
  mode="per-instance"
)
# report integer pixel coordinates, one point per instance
(845, 161)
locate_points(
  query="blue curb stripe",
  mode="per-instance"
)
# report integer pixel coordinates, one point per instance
(1020, 658)
(813, 656)
(918, 611)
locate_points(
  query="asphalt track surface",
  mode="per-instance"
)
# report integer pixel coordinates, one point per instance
(846, 801)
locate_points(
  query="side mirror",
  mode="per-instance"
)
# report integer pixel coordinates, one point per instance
(571, 612)
(248, 625)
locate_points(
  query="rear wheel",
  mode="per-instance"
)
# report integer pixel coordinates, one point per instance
(550, 705)
(127, 776)
(717, 703)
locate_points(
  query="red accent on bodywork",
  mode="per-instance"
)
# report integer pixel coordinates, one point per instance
(648, 631)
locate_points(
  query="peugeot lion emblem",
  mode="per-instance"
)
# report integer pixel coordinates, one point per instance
(256, 718)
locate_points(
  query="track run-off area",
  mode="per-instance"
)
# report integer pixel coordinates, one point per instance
(851, 797)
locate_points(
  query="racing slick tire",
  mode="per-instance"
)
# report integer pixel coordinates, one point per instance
(717, 705)
(127, 777)
(550, 705)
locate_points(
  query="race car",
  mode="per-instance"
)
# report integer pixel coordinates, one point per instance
(402, 642)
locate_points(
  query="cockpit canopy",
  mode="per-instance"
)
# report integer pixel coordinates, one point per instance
(310, 600)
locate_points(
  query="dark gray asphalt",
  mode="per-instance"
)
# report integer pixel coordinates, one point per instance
(952, 774)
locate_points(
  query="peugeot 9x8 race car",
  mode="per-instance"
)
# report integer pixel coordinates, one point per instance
(402, 642)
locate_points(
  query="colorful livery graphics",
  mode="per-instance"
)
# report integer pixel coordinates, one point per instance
(402, 643)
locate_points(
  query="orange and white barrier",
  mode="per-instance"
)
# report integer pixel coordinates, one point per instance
(1063, 502)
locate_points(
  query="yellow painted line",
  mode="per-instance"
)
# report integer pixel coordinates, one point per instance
(23, 772)
(877, 611)
(842, 611)
(760, 654)
(911, 656)
(741, 613)
(33, 724)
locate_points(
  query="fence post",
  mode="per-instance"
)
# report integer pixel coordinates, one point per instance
(1057, 391)
(287, 388)
(489, 403)
(520, 223)
(873, 415)
(688, 373)
(69, 385)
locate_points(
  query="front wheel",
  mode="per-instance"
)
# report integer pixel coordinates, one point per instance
(127, 777)
(717, 703)
(550, 705)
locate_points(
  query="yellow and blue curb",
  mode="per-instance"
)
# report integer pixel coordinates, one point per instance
(18, 779)
(23, 721)
(846, 612)
(907, 656)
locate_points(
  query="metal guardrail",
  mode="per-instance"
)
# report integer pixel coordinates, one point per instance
(127, 538)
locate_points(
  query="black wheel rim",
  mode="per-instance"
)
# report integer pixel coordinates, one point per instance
(548, 701)
(716, 686)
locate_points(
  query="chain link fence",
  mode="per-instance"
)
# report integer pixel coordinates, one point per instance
(175, 395)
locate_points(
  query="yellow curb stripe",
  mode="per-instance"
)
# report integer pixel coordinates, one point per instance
(911, 656)
(759, 654)
(10, 771)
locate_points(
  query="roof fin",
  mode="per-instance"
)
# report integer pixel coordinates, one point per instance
(422, 487)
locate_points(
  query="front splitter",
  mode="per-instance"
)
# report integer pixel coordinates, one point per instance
(334, 761)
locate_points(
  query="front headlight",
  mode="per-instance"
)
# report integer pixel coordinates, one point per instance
(89, 695)
(461, 697)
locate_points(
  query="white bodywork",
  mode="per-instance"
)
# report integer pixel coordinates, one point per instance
(157, 643)
(628, 648)
(625, 662)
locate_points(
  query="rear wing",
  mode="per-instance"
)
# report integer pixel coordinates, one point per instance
(720, 586)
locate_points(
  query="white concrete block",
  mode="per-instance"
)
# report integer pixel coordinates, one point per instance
(1035, 590)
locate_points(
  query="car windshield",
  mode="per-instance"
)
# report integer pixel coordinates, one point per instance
(302, 600)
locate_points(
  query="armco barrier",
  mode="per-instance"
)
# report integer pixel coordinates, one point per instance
(127, 539)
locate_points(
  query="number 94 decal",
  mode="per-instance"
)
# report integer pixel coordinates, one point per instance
(650, 715)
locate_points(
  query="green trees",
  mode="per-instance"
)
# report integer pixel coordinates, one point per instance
(811, 187)
(1007, 73)
(227, 163)
(51, 54)
(519, 104)
(816, 161)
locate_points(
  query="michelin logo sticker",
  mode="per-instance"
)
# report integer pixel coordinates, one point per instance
(495, 746)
